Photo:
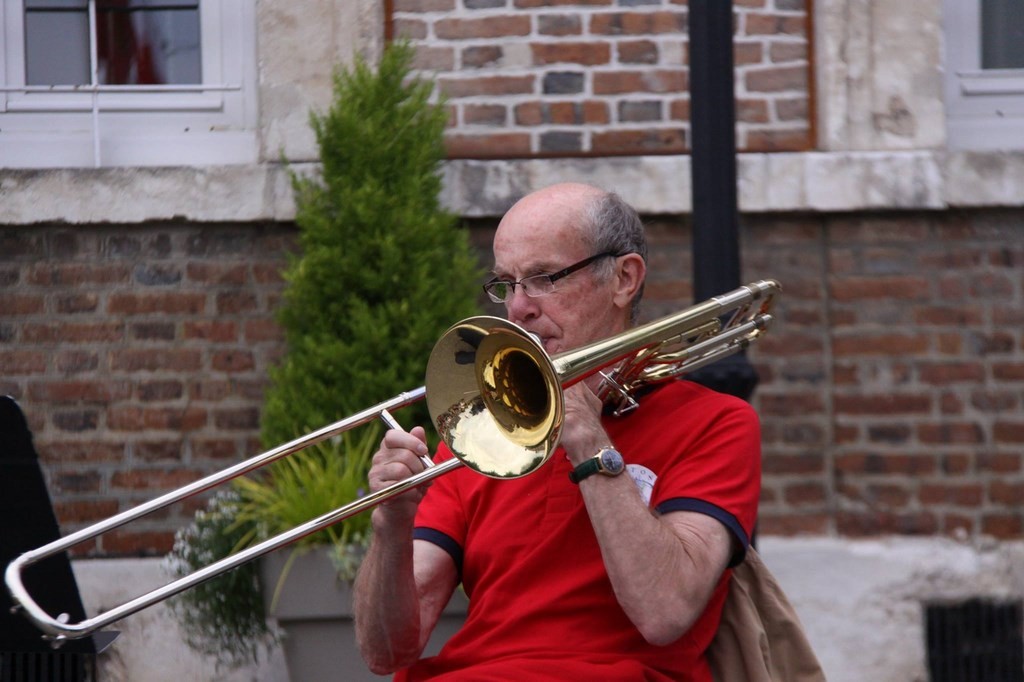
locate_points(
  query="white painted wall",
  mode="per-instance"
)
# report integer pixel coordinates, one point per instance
(862, 602)
(878, 68)
(301, 43)
(151, 647)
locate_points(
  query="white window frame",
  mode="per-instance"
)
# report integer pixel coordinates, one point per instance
(984, 107)
(83, 126)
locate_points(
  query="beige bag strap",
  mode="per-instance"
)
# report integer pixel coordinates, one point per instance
(760, 638)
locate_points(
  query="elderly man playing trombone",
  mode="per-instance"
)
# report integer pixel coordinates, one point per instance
(611, 562)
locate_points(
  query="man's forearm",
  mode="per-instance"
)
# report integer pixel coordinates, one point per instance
(663, 571)
(387, 609)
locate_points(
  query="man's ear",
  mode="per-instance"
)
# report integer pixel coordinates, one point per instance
(629, 277)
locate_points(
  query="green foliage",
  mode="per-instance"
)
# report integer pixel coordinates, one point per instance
(382, 271)
(301, 487)
(224, 617)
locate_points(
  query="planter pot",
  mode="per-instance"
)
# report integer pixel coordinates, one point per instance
(314, 610)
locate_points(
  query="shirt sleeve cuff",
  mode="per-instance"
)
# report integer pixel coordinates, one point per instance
(442, 540)
(714, 511)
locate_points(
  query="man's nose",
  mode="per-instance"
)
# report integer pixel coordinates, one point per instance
(520, 306)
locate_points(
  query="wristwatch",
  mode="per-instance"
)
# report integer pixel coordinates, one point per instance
(608, 461)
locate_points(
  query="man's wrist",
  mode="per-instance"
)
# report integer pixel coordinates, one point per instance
(607, 462)
(579, 451)
(390, 522)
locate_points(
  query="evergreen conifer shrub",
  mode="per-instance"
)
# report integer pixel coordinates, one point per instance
(383, 269)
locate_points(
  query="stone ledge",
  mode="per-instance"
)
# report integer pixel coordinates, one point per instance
(796, 182)
(813, 181)
(136, 195)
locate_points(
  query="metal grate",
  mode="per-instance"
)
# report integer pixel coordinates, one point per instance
(975, 640)
(47, 667)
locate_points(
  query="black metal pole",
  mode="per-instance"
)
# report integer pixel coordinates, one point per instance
(716, 250)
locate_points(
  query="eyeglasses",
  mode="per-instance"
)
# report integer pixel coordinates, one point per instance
(500, 290)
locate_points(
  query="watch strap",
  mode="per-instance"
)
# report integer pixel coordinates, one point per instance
(585, 469)
(591, 466)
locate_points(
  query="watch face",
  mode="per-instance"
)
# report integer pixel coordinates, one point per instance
(611, 462)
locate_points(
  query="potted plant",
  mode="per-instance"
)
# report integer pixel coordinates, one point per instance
(381, 271)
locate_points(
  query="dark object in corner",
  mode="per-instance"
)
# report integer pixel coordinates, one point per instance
(28, 522)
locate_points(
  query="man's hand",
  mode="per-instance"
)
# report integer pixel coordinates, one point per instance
(397, 459)
(402, 585)
(582, 434)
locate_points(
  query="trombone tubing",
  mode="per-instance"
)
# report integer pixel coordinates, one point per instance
(60, 630)
(573, 365)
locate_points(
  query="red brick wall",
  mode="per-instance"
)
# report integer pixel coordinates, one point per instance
(564, 77)
(139, 355)
(893, 399)
(892, 392)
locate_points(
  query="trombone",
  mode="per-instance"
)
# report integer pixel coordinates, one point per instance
(494, 396)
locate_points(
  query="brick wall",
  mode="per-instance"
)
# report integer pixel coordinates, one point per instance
(895, 382)
(892, 393)
(601, 77)
(139, 356)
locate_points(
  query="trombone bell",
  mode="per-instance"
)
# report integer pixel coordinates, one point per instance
(494, 397)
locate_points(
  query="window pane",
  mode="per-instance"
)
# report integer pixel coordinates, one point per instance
(1002, 34)
(56, 42)
(142, 42)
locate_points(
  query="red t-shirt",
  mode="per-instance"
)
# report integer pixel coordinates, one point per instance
(541, 604)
